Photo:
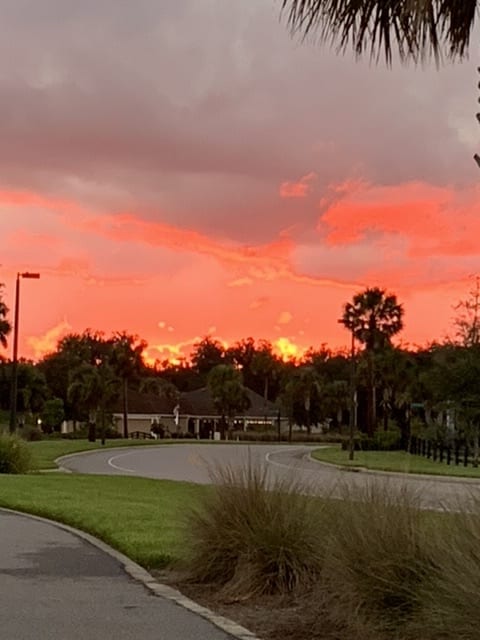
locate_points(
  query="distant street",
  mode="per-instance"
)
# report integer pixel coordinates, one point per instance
(190, 462)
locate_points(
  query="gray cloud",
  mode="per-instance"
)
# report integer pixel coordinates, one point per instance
(195, 112)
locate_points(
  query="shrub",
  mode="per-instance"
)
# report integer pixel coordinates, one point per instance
(381, 441)
(254, 535)
(15, 456)
(32, 434)
(379, 558)
(390, 440)
(272, 436)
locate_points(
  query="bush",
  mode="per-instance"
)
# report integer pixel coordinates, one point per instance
(272, 436)
(32, 434)
(382, 441)
(254, 535)
(15, 456)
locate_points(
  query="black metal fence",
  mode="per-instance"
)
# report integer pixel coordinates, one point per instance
(457, 452)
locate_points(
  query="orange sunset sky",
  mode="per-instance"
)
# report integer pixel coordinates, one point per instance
(182, 168)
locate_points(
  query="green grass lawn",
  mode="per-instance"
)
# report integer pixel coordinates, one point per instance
(140, 517)
(393, 461)
(45, 452)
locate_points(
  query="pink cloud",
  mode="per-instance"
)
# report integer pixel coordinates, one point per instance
(298, 189)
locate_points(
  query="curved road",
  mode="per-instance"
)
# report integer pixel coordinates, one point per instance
(191, 462)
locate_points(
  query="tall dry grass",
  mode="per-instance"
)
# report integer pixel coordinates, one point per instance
(450, 596)
(371, 566)
(379, 553)
(254, 534)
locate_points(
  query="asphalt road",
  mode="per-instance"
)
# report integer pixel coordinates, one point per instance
(191, 462)
(55, 586)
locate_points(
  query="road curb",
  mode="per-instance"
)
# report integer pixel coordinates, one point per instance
(397, 474)
(141, 575)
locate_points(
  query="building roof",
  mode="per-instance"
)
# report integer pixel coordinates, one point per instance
(192, 403)
(146, 403)
(200, 403)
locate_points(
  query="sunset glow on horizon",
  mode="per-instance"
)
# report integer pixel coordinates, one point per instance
(177, 172)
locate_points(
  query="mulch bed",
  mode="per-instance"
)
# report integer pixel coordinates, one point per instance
(269, 617)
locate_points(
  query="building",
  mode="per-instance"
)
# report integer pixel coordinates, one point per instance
(195, 413)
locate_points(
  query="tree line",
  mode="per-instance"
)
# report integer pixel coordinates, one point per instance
(395, 387)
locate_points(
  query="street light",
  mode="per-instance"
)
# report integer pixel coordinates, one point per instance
(13, 388)
(353, 408)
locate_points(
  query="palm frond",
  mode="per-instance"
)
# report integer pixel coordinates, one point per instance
(417, 28)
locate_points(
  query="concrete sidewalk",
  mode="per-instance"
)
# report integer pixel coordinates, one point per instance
(57, 586)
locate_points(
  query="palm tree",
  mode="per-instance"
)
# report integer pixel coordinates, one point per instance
(126, 360)
(374, 318)
(160, 387)
(229, 396)
(5, 326)
(417, 28)
(94, 387)
(265, 365)
(309, 384)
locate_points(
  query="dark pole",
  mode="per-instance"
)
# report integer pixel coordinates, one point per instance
(13, 386)
(352, 400)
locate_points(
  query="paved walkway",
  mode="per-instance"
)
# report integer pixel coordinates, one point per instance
(56, 586)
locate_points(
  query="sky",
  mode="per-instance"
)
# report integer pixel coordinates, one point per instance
(183, 168)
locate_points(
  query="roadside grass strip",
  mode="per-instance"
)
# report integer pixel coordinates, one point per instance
(395, 461)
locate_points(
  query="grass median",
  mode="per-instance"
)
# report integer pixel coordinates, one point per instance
(142, 518)
(396, 461)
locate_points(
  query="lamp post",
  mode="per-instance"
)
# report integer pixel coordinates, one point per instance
(13, 388)
(353, 408)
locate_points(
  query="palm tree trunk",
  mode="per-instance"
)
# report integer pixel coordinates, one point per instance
(92, 429)
(370, 398)
(265, 391)
(102, 424)
(125, 408)
(307, 410)
(223, 423)
(476, 445)
(386, 415)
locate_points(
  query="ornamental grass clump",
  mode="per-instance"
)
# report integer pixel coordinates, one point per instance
(15, 456)
(379, 556)
(450, 596)
(254, 535)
